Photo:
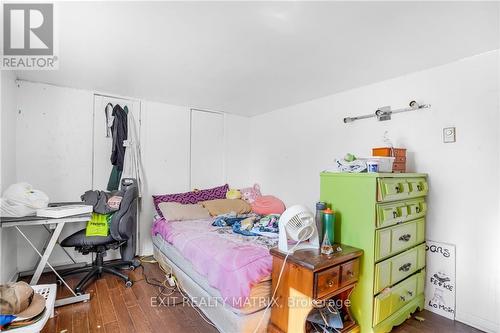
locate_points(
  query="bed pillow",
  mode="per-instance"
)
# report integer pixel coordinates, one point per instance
(174, 211)
(192, 197)
(224, 206)
(268, 204)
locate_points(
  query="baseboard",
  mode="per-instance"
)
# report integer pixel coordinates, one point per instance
(68, 265)
(478, 322)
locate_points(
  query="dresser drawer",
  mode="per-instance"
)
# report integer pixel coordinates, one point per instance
(327, 281)
(397, 268)
(390, 189)
(401, 211)
(391, 300)
(392, 240)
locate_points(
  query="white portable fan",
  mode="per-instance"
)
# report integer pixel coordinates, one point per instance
(297, 223)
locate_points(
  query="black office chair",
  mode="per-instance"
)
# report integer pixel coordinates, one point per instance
(122, 234)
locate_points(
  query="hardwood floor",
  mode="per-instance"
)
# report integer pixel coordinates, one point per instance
(114, 308)
(433, 323)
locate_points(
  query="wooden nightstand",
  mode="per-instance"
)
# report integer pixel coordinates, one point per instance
(310, 278)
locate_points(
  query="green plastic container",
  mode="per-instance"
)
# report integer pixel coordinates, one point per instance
(329, 224)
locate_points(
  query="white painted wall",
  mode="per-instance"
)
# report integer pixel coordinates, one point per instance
(165, 149)
(238, 145)
(292, 145)
(8, 246)
(54, 154)
(207, 149)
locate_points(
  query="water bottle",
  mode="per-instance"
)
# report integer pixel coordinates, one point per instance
(328, 223)
(320, 207)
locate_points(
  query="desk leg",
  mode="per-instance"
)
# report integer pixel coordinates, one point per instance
(57, 242)
(46, 254)
(45, 261)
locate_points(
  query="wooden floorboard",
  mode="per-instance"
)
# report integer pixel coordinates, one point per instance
(432, 323)
(115, 308)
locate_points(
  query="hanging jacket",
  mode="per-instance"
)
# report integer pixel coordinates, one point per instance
(119, 131)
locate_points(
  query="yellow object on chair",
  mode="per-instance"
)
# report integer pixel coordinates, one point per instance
(98, 225)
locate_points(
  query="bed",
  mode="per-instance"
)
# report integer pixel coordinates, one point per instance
(227, 275)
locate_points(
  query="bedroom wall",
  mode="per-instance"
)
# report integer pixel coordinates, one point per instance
(8, 243)
(292, 145)
(60, 119)
(166, 158)
(54, 154)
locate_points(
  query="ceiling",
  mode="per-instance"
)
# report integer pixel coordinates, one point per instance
(253, 57)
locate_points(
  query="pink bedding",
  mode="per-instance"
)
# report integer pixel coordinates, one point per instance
(231, 263)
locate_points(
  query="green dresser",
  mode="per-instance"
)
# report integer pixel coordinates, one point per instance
(383, 214)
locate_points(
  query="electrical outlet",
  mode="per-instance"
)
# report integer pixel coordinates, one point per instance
(449, 134)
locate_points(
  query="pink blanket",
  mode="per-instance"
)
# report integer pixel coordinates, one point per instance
(231, 263)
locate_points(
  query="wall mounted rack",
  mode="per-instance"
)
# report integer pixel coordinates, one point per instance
(385, 112)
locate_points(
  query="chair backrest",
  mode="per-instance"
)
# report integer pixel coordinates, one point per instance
(123, 224)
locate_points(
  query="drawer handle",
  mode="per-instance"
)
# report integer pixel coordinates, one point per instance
(405, 238)
(417, 209)
(402, 298)
(410, 292)
(419, 187)
(397, 188)
(394, 214)
(405, 268)
(350, 274)
(330, 283)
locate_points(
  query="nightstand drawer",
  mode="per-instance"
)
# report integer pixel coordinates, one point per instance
(349, 272)
(401, 211)
(390, 301)
(398, 238)
(327, 281)
(397, 268)
(390, 189)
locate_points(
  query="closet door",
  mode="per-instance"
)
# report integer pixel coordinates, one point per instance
(101, 164)
(207, 149)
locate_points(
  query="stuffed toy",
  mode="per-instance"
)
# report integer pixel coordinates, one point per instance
(233, 194)
(249, 194)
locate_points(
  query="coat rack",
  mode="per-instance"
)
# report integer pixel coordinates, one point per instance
(385, 112)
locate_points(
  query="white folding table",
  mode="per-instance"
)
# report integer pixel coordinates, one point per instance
(17, 222)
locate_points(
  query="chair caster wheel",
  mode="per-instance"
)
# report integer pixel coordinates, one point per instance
(136, 263)
(128, 284)
(131, 267)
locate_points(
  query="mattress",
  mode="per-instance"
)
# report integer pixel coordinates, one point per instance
(259, 293)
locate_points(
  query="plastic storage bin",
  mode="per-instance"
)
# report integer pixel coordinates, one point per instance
(48, 291)
(384, 163)
(389, 151)
(383, 151)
